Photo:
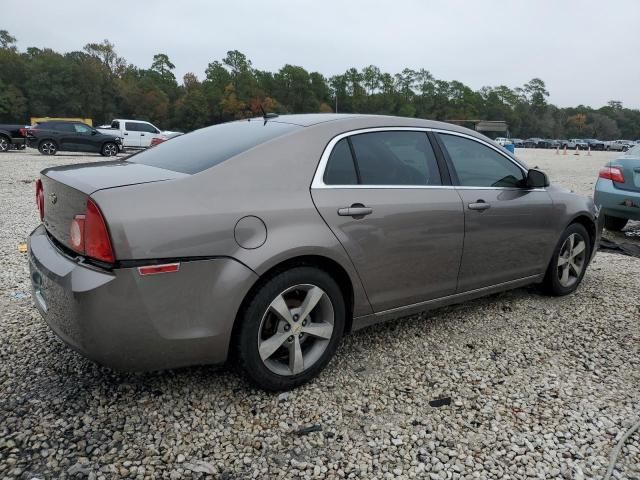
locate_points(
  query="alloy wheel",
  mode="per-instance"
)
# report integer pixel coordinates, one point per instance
(4, 144)
(48, 148)
(110, 150)
(296, 329)
(571, 260)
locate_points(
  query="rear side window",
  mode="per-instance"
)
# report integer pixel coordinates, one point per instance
(478, 165)
(207, 147)
(340, 168)
(395, 158)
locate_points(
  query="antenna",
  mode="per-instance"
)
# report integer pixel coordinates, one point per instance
(267, 115)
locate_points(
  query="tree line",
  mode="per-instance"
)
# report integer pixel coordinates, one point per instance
(97, 83)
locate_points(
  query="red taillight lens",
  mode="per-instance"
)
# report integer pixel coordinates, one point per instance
(612, 173)
(40, 198)
(156, 141)
(23, 132)
(97, 243)
(89, 235)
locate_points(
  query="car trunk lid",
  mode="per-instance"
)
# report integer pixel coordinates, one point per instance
(67, 189)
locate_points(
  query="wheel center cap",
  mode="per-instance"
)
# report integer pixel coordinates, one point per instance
(297, 327)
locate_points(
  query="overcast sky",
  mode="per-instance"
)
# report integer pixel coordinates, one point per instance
(586, 51)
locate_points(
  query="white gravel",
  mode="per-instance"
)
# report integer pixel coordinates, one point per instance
(540, 387)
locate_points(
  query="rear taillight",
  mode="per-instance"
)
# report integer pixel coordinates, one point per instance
(612, 173)
(40, 199)
(22, 132)
(155, 141)
(89, 235)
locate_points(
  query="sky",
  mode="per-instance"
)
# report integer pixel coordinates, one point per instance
(586, 51)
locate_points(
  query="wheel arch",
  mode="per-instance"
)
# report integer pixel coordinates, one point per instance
(326, 264)
(589, 224)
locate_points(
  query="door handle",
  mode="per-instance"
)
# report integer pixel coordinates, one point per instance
(357, 210)
(126, 133)
(479, 205)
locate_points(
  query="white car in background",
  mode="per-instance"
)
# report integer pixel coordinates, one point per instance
(136, 133)
(502, 141)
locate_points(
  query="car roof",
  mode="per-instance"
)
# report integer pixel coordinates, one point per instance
(366, 121)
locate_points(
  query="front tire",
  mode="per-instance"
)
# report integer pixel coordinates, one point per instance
(4, 143)
(48, 147)
(109, 149)
(569, 261)
(290, 329)
(614, 224)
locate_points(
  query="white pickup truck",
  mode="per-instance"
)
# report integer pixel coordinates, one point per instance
(135, 133)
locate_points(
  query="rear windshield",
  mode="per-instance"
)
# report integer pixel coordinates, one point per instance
(205, 148)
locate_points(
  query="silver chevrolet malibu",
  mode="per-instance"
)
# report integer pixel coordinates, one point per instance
(266, 240)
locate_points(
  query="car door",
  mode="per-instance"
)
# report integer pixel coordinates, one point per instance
(402, 225)
(147, 133)
(507, 234)
(132, 134)
(84, 140)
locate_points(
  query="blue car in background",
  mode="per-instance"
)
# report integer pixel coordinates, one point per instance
(617, 190)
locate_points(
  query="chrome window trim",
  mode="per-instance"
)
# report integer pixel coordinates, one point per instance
(318, 180)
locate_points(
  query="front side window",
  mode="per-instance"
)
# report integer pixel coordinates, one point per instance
(132, 127)
(478, 165)
(395, 158)
(145, 127)
(80, 128)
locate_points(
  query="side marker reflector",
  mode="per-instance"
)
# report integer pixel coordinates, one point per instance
(155, 269)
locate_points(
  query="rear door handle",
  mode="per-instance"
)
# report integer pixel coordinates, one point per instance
(479, 205)
(356, 210)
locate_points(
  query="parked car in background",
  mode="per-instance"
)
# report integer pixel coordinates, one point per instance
(595, 144)
(529, 143)
(618, 145)
(576, 142)
(617, 190)
(136, 133)
(517, 142)
(214, 243)
(12, 136)
(502, 141)
(553, 143)
(539, 142)
(57, 136)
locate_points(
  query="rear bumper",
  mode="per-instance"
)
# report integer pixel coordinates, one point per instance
(615, 202)
(125, 321)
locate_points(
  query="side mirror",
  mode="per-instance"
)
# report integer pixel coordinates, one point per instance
(94, 132)
(537, 179)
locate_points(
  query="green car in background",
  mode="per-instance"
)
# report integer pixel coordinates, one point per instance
(617, 190)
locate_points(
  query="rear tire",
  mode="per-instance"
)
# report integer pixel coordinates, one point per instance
(569, 261)
(614, 224)
(109, 149)
(4, 143)
(280, 351)
(48, 147)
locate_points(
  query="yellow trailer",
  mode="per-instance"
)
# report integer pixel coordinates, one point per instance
(35, 120)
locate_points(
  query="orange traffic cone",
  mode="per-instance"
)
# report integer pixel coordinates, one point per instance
(565, 149)
(558, 150)
(589, 151)
(577, 150)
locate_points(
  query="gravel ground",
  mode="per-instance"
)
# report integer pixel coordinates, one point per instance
(539, 387)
